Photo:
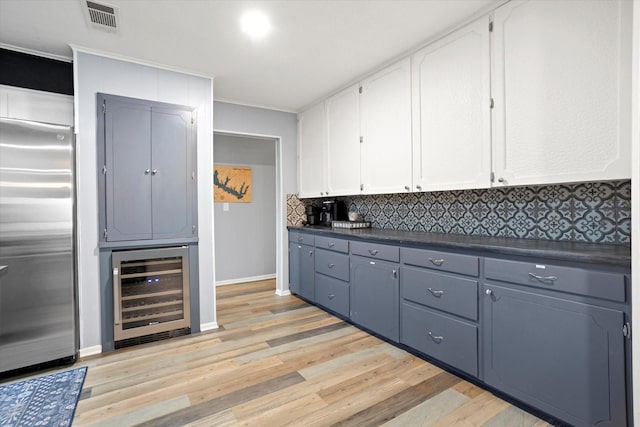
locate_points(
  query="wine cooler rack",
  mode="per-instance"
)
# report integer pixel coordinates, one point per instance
(150, 291)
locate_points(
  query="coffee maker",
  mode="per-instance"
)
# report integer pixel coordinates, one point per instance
(313, 215)
(331, 211)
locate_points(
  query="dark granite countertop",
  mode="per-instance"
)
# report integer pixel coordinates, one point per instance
(614, 255)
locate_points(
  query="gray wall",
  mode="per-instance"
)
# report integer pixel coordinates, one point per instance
(242, 119)
(245, 235)
(95, 73)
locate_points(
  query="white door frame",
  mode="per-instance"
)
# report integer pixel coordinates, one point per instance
(282, 262)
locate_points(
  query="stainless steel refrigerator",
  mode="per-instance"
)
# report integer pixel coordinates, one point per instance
(37, 278)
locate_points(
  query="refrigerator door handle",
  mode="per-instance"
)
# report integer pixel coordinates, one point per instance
(116, 298)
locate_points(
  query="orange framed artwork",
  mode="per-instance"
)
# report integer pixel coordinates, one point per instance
(231, 184)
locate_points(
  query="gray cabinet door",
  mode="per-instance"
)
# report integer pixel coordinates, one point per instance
(307, 272)
(375, 296)
(563, 357)
(172, 165)
(128, 167)
(148, 190)
(294, 267)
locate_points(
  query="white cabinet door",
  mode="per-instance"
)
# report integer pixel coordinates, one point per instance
(386, 129)
(312, 143)
(561, 90)
(451, 111)
(35, 105)
(343, 143)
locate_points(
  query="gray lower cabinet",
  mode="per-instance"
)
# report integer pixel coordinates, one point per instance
(301, 270)
(375, 296)
(559, 355)
(443, 337)
(332, 294)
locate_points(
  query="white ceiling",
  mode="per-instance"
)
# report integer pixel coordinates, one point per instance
(315, 46)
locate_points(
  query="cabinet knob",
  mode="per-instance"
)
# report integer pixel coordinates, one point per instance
(488, 292)
(331, 244)
(310, 253)
(406, 187)
(501, 179)
(331, 296)
(373, 252)
(321, 193)
(146, 172)
(155, 171)
(326, 193)
(331, 265)
(419, 187)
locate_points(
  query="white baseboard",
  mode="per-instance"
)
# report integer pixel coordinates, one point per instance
(208, 326)
(245, 279)
(90, 351)
(283, 293)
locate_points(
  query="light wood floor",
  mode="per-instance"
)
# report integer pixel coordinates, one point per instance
(277, 361)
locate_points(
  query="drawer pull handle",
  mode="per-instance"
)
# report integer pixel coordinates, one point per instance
(543, 278)
(436, 294)
(437, 262)
(436, 338)
(331, 296)
(331, 245)
(373, 252)
(300, 239)
(395, 273)
(331, 265)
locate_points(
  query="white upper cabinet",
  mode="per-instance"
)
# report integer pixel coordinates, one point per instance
(312, 147)
(343, 143)
(561, 86)
(451, 111)
(35, 105)
(385, 123)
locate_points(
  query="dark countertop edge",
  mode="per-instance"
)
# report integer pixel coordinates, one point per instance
(594, 253)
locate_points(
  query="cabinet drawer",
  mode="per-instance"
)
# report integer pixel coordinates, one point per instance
(332, 264)
(573, 280)
(444, 338)
(332, 294)
(333, 244)
(453, 294)
(303, 238)
(455, 263)
(374, 250)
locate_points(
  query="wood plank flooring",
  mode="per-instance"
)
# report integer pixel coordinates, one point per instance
(277, 361)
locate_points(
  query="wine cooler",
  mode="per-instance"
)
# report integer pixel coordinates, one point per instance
(150, 291)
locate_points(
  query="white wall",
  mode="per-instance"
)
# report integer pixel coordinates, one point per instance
(96, 73)
(245, 233)
(241, 119)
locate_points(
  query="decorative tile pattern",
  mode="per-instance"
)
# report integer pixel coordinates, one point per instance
(595, 212)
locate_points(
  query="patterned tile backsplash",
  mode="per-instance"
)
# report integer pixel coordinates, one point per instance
(598, 212)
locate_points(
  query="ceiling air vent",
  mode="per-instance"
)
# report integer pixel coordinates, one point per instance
(101, 15)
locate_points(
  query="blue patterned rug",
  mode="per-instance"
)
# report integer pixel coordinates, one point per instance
(44, 401)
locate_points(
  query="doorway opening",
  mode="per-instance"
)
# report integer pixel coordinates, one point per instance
(247, 212)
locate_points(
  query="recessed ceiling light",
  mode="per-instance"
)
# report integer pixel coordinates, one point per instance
(255, 23)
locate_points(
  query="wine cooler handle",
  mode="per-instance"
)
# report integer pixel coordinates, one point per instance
(116, 298)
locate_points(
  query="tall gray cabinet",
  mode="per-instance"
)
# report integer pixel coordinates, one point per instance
(147, 156)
